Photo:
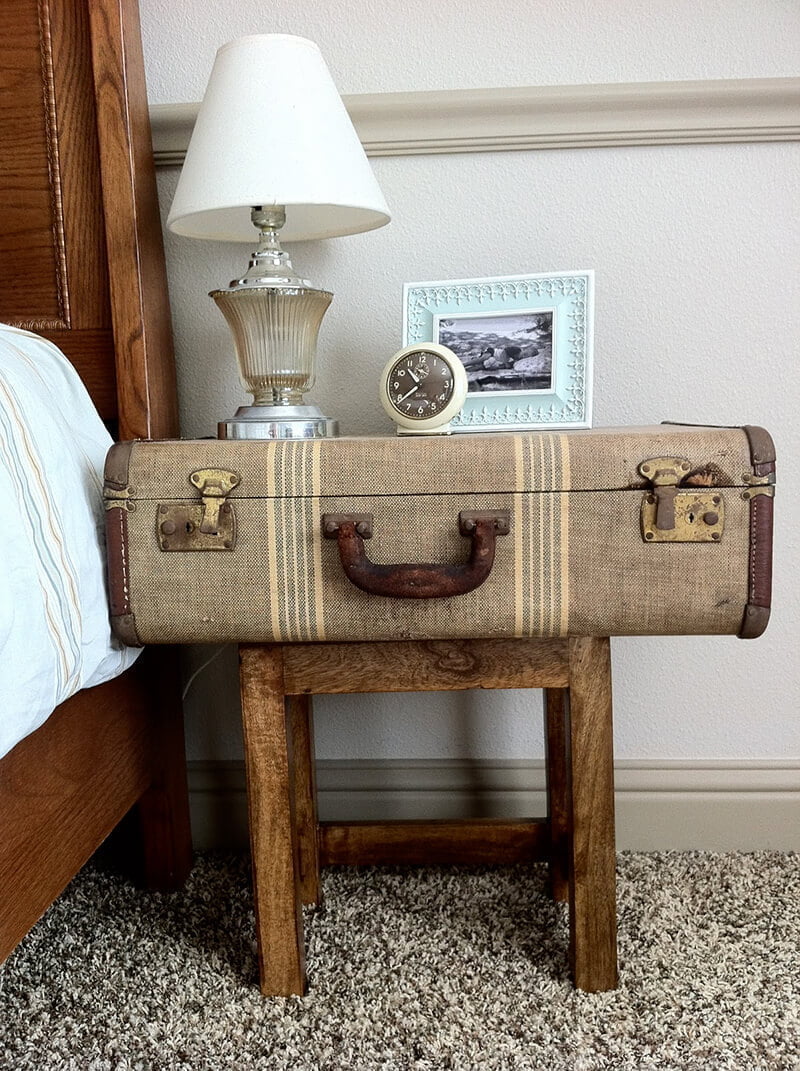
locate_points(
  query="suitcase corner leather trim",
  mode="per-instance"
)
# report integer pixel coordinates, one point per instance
(757, 612)
(116, 495)
(759, 581)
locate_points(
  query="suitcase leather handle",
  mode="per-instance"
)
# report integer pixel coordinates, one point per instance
(412, 580)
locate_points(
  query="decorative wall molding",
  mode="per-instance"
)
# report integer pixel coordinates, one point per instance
(661, 805)
(546, 117)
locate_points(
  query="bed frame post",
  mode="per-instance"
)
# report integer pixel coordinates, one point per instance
(77, 154)
(157, 838)
(146, 389)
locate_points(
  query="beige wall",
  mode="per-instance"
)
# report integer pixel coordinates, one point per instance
(377, 46)
(695, 252)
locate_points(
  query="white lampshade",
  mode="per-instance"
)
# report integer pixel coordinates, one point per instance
(272, 130)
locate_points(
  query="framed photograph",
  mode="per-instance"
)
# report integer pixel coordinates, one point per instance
(524, 340)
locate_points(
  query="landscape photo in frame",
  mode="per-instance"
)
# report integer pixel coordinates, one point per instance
(502, 351)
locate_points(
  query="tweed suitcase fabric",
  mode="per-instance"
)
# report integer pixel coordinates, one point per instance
(574, 562)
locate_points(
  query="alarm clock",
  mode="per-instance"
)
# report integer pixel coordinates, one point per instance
(422, 388)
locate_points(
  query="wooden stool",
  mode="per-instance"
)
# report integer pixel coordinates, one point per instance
(289, 844)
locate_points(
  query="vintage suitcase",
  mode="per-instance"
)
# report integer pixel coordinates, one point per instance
(655, 530)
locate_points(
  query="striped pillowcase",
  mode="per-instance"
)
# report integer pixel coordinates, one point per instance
(54, 632)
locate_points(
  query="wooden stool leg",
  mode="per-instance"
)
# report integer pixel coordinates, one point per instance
(592, 859)
(299, 713)
(557, 803)
(273, 839)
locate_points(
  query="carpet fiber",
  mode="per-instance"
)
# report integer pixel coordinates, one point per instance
(428, 970)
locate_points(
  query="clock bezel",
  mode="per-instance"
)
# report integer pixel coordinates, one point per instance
(437, 422)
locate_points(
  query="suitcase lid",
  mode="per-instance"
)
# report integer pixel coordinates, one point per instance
(582, 460)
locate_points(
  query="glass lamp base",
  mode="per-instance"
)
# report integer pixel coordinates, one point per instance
(278, 422)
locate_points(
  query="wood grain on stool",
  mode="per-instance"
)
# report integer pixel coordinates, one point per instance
(470, 841)
(592, 858)
(270, 774)
(557, 801)
(419, 666)
(299, 712)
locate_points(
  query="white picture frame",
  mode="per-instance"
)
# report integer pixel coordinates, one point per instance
(526, 343)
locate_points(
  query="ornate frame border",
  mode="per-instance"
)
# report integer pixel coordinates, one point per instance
(571, 296)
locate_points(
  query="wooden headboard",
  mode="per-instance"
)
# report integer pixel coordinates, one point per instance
(81, 262)
(81, 255)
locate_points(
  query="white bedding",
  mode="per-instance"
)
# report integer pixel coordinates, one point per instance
(54, 632)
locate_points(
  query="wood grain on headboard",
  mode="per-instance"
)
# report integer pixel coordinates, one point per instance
(81, 262)
(81, 214)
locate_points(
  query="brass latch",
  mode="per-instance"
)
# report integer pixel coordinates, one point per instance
(207, 525)
(214, 485)
(674, 514)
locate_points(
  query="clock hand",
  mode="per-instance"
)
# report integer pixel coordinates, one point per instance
(408, 395)
(415, 378)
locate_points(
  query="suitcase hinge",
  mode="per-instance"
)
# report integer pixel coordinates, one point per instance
(674, 514)
(118, 498)
(758, 485)
(207, 525)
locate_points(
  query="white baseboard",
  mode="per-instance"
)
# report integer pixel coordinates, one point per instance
(725, 805)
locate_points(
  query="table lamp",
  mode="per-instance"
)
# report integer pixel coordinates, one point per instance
(274, 148)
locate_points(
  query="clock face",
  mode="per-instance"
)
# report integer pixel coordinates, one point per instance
(420, 385)
(422, 388)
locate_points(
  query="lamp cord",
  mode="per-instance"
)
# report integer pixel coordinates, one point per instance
(215, 654)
